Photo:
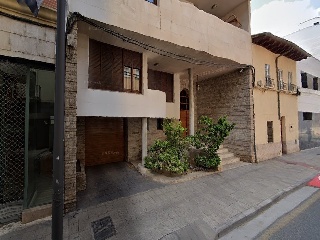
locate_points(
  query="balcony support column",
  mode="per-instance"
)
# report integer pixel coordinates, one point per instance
(144, 139)
(191, 103)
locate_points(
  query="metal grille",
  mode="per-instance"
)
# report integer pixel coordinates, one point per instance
(12, 136)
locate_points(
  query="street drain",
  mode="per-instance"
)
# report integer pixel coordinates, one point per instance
(103, 228)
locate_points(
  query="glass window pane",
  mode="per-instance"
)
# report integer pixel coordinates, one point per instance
(136, 79)
(127, 77)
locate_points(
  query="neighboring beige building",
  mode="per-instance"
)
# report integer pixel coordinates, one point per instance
(275, 95)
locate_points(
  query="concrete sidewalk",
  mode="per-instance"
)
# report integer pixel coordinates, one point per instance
(198, 209)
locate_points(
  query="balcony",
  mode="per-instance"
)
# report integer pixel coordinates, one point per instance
(282, 86)
(269, 82)
(292, 88)
(169, 26)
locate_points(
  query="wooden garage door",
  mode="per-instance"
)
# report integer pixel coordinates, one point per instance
(104, 140)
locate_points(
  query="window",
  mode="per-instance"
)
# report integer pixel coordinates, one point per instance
(304, 80)
(113, 68)
(127, 78)
(289, 80)
(136, 80)
(267, 70)
(315, 83)
(280, 79)
(155, 2)
(184, 100)
(307, 116)
(160, 124)
(270, 131)
(131, 79)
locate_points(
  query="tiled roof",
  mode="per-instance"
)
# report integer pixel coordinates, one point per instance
(279, 45)
(50, 4)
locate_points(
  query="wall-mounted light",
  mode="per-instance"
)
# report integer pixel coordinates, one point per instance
(214, 6)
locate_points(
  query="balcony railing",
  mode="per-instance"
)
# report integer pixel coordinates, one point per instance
(292, 88)
(282, 86)
(269, 82)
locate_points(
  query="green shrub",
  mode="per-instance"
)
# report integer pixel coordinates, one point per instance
(209, 138)
(169, 155)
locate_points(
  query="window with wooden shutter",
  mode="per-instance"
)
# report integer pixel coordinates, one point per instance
(113, 68)
(161, 81)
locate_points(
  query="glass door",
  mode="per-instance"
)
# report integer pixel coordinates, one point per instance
(39, 137)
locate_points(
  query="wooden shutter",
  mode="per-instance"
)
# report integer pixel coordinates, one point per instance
(94, 64)
(117, 71)
(106, 66)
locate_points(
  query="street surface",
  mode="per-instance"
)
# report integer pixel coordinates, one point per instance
(300, 224)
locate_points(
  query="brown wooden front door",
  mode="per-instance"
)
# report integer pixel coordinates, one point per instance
(184, 118)
(104, 140)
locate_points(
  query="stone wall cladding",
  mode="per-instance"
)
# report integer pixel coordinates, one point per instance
(135, 137)
(153, 133)
(81, 153)
(230, 95)
(71, 124)
(38, 42)
(268, 151)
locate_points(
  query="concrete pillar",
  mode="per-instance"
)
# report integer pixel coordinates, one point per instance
(191, 103)
(144, 74)
(144, 139)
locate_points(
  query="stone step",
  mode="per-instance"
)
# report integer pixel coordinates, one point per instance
(229, 160)
(233, 165)
(225, 155)
(222, 150)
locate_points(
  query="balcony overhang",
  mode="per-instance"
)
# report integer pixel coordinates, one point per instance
(280, 46)
(219, 8)
(162, 55)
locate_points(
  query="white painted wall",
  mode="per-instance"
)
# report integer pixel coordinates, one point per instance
(173, 21)
(309, 100)
(26, 40)
(119, 104)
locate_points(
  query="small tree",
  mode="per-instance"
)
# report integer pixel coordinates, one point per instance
(209, 138)
(169, 155)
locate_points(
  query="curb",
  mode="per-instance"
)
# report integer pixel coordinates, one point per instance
(255, 211)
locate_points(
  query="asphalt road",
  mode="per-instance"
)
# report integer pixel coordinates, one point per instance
(302, 223)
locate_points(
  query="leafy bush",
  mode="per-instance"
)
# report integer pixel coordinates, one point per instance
(209, 138)
(169, 155)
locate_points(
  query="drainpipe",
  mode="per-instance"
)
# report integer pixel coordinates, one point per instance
(278, 81)
(253, 71)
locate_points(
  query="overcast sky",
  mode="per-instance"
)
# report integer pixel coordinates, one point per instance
(282, 17)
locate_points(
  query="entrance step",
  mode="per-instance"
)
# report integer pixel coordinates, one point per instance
(228, 160)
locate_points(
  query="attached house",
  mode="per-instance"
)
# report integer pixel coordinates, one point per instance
(27, 57)
(130, 64)
(275, 95)
(308, 75)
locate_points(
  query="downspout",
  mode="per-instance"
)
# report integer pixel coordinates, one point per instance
(253, 70)
(278, 81)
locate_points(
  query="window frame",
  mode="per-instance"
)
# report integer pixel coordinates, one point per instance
(307, 116)
(132, 80)
(289, 80)
(155, 2)
(315, 83)
(270, 131)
